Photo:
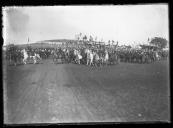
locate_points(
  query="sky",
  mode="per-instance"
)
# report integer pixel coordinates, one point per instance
(127, 24)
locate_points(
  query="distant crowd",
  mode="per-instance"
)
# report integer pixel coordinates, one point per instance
(93, 54)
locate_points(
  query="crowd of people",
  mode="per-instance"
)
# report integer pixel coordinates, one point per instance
(94, 55)
(141, 55)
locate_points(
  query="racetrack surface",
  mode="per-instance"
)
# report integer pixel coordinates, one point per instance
(59, 93)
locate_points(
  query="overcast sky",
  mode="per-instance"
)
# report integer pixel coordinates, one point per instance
(126, 23)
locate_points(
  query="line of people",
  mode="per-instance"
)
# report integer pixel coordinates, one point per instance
(92, 55)
(105, 56)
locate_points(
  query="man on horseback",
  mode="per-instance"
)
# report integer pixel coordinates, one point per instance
(78, 56)
(25, 56)
(96, 59)
(32, 55)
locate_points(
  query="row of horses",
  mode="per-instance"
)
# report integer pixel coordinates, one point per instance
(36, 57)
(99, 57)
(86, 56)
(22, 56)
(78, 56)
(141, 56)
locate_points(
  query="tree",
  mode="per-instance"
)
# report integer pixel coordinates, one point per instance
(159, 42)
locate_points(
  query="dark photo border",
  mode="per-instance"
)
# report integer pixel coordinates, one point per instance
(6, 3)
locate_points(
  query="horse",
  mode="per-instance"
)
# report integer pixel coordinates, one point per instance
(113, 58)
(84, 56)
(157, 56)
(26, 57)
(55, 56)
(43, 53)
(87, 52)
(90, 57)
(37, 56)
(78, 56)
(96, 59)
(106, 58)
(15, 57)
(66, 55)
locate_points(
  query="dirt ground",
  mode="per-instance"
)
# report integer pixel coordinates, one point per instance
(50, 93)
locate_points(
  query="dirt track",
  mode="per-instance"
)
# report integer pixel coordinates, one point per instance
(49, 93)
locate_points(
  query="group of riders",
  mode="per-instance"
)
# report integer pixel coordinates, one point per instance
(141, 55)
(86, 55)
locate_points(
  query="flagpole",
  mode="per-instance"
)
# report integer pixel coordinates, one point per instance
(28, 39)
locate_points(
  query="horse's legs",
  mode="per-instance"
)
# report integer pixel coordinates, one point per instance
(23, 61)
(91, 62)
(14, 63)
(34, 60)
(105, 62)
(76, 61)
(87, 62)
(99, 63)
